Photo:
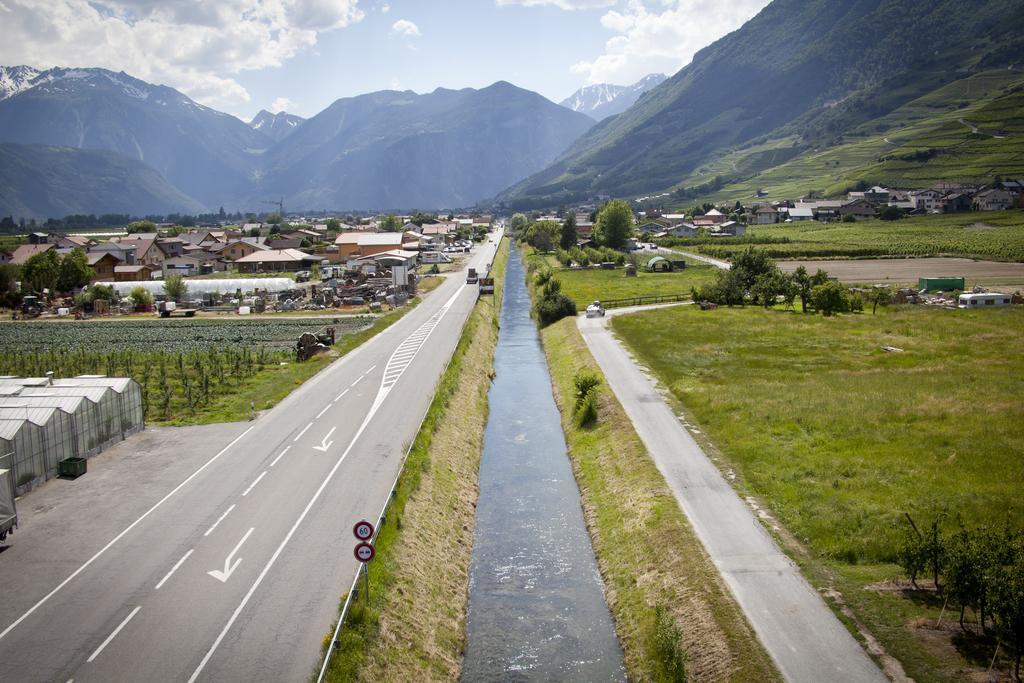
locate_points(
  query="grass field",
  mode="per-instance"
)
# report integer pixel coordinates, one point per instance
(414, 629)
(838, 438)
(594, 284)
(647, 553)
(997, 235)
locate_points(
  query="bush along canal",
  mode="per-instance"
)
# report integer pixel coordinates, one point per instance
(536, 605)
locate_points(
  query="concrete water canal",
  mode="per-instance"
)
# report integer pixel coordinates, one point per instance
(536, 605)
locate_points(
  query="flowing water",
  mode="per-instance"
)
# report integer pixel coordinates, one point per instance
(536, 607)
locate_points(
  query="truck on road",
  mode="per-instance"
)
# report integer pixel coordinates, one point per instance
(169, 308)
(8, 513)
(471, 277)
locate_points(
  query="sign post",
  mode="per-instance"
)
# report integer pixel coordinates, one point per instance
(364, 551)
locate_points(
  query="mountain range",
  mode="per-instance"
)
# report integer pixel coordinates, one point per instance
(601, 100)
(801, 77)
(386, 150)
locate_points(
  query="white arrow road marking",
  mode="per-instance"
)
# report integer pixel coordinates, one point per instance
(325, 444)
(219, 520)
(302, 432)
(262, 474)
(179, 563)
(229, 568)
(117, 630)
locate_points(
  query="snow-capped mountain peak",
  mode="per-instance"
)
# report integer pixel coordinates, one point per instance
(602, 100)
(14, 79)
(277, 126)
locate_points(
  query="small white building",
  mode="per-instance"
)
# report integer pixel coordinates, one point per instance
(981, 300)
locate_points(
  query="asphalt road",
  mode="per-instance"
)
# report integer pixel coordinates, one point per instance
(233, 573)
(803, 637)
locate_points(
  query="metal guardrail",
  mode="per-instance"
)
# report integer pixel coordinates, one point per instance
(644, 300)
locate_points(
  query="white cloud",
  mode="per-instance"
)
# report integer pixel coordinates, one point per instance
(281, 104)
(385, 8)
(196, 46)
(562, 4)
(649, 41)
(404, 27)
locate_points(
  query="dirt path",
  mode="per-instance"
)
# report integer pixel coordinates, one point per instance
(909, 270)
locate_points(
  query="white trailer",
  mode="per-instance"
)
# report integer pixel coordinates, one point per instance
(986, 299)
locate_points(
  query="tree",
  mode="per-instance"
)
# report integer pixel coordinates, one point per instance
(518, 223)
(614, 224)
(542, 235)
(770, 285)
(41, 271)
(751, 264)
(141, 226)
(254, 232)
(966, 565)
(274, 218)
(891, 213)
(175, 287)
(333, 224)
(879, 296)
(74, 271)
(390, 223)
(568, 237)
(1007, 601)
(830, 298)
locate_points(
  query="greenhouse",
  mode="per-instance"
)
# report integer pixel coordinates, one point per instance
(46, 436)
(44, 421)
(215, 286)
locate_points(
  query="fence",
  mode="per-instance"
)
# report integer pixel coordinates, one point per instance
(644, 300)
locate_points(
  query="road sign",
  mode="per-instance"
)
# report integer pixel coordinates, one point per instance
(363, 531)
(364, 552)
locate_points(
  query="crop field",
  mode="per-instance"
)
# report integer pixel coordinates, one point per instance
(190, 371)
(838, 438)
(594, 284)
(997, 235)
(175, 335)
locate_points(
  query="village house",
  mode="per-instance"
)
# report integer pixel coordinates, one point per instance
(70, 241)
(232, 251)
(26, 251)
(765, 214)
(683, 230)
(140, 272)
(994, 199)
(275, 260)
(103, 264)
(858, 208)
(147, 250)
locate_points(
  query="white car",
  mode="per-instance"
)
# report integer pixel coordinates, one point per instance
(595, 310)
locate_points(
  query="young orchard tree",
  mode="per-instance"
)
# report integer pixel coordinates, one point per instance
(568, 238)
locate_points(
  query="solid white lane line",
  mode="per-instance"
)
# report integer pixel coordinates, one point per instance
(279, 456)
(219, 520)
(120, 536)
(382, 394)
(254, 483)
(341, 395)
(181, 561)
(302, 432)
(321, 413)
(112, 635)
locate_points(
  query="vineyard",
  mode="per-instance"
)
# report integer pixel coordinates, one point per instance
(188, 370)
(998, 236)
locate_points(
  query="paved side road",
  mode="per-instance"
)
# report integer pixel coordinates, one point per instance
(803, 637)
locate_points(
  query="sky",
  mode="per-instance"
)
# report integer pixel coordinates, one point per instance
(240, 56)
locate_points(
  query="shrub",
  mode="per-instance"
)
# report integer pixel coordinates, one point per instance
(141, 296)
(554, 309)
(585, 382)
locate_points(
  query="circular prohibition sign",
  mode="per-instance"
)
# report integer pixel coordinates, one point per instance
(364, 552)
(363, 531)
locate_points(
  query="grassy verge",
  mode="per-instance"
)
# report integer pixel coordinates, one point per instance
(414, 628)
(271, 385)
(648, 555)
(595, 284)
(838, 438)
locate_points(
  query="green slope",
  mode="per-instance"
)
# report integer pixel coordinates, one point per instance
(798, 77)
